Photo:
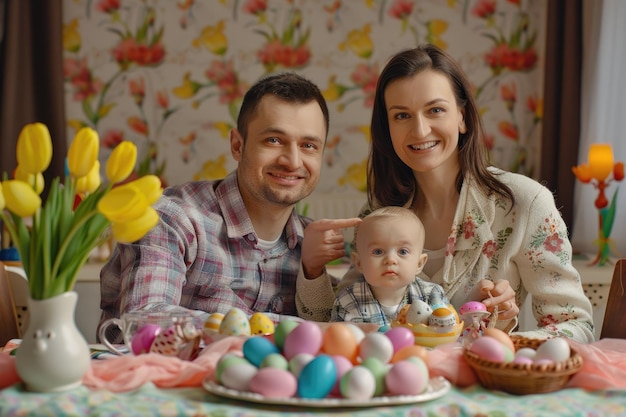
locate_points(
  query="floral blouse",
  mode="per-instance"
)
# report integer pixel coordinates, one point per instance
(527, 245)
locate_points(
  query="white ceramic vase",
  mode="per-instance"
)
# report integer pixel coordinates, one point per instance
(53, 356)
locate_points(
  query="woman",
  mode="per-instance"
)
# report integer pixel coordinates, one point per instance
(486, 229)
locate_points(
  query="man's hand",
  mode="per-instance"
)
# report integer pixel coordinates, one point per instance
(499, 293)
(323, 242)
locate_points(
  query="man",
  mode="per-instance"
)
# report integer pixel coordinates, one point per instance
(234, 242)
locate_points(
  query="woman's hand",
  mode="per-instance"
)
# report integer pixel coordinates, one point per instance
(323, 242)
(499, 293)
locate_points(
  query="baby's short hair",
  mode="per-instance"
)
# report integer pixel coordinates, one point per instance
(390, 212)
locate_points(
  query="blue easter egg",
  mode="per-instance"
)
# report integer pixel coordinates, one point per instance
(317, 378)
(255, 349)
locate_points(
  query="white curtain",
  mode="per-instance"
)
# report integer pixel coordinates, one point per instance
(603, 110)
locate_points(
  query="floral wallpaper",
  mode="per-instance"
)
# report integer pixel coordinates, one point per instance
(170, 75)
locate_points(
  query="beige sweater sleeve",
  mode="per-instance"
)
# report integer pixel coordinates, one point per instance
(314, 297)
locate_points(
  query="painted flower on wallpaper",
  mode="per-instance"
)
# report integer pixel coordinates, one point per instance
(212, 169)
(355, 176)
(403, 11)
(213, 39)
(512, 51)
(219, 74)
(512, 129)
(142, 47)
(139, 124)
(359, 42)
(364, 78)
(138, 48)
(286, 48)
(281, 36)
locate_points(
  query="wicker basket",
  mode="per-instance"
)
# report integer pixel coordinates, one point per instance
(517, 378)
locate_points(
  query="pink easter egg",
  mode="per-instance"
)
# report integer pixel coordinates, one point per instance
(400, 337)
(143, 339)
(487, 347)
(407, 377)
(343, 365)
(305, 338)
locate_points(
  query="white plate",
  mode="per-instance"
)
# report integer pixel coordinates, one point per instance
(437, 387)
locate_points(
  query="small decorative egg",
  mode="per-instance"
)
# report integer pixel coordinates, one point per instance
(473, 312)
(235, 323)
(274, 383)
(338, 339)
(305, 338)
(143, 338)
(168, 342)
(358, 383)
(317, 378)
(376, 345)
(212, 324)
(442, 319)
(407, 378)
(418, 312)
(555, 350)
(260, 324)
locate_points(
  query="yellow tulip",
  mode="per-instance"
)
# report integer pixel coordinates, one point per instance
(34, 148)
(121, 162)
(2, 202)
(123, 204)
(149, 186)
(90, 182)
(34, 180)
(132, 231)
(20, 198)
(83, 152)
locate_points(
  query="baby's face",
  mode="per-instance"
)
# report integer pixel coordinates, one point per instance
(389, 252)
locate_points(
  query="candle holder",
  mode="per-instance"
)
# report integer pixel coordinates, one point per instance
(597, 172)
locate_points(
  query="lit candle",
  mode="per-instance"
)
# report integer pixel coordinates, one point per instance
(600, 160)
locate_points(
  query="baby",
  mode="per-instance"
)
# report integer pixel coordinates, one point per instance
(388, 254)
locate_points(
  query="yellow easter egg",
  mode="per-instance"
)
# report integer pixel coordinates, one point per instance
(212, 324)
(260, 324)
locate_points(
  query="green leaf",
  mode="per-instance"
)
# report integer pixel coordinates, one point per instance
(608, 216)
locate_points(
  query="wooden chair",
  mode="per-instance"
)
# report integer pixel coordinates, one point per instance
(614, 322)
(9, 326)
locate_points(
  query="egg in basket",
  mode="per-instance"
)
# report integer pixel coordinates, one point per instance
(432, 326)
